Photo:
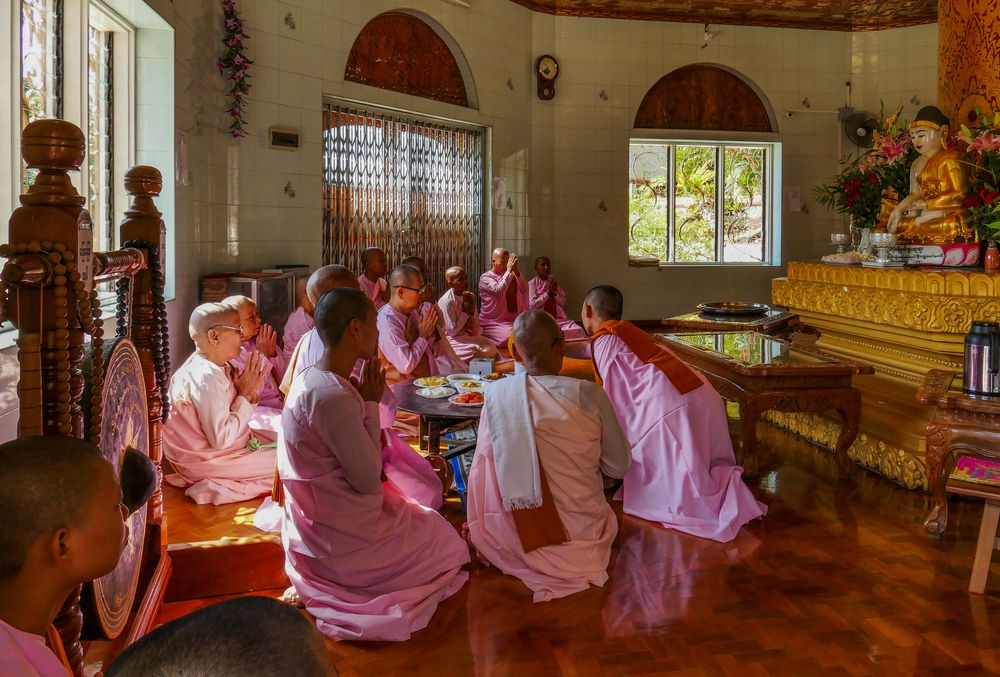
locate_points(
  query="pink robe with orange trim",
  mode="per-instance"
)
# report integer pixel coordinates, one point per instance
(207, 435)
(684, 473)
(366, 562)
(468, 342)
(23, 654)
(406, 471)
(577, 437)
(373, 290)
(297, 324)
(497, 315)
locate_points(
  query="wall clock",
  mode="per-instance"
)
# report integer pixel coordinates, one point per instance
(547, 70)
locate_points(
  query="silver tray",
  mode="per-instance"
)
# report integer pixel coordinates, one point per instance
(733, 308)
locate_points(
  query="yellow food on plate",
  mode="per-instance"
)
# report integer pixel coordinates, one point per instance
(470, 384)
(493, 377)
(431, 381)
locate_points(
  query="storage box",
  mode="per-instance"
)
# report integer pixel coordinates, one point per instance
(480, 366)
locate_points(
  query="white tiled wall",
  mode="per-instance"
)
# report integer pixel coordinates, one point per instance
(560, 159)
(896, 68)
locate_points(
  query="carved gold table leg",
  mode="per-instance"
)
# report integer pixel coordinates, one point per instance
(938, 439)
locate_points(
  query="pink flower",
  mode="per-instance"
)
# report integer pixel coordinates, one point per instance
(235, 112)
(985, 142)
(893, 148)
(231, 24)
(239, 75)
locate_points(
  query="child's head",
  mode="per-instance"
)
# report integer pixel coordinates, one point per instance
(543, 267)
(374, 264)
(64, 522)
(428, 288)
(457, 280)
(249, 317)
(407, 285)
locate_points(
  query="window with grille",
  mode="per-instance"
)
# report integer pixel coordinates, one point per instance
(696, 202)
(41, 66)
(411, 186)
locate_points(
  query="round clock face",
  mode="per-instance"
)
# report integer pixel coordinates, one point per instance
(548, 68)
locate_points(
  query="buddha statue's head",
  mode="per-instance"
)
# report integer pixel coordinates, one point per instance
(929, 130)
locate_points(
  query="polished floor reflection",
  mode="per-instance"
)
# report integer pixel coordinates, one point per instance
(839, 578)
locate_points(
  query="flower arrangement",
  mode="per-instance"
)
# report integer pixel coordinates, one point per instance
(884, 169)
(235, 66)
(983, 153)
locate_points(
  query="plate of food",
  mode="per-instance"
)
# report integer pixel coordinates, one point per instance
(733, 308)
(844, 259)
(436, 392)
(469, 386)
(467, 399)
(456, 378)
(491, 378)
(430, 382)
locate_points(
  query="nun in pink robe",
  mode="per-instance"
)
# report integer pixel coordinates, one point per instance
(208, 438)
(462, 330)
(555, 431)
(684, 473)
(433, 354)
(298, 323)
(25, 655)
(406, 471)
(373, 289)
(539, 299)
(366, 562)
(503, 296)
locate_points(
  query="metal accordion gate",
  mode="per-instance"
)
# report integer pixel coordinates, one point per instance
(410, 186)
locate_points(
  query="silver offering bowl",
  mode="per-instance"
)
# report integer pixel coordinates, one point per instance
(883, 242)
(840, 240)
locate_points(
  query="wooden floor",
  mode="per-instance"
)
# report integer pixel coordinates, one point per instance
(839, 578)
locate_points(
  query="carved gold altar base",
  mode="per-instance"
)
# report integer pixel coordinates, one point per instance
(902, 322)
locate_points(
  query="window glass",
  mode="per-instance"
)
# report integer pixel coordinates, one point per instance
(41, 60)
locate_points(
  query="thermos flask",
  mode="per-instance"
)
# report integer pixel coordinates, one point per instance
(982, 359)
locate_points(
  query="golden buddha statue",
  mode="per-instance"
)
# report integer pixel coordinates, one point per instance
(933, 213)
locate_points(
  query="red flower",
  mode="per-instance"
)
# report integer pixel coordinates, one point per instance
(972, 201)
(988, 196)
(872, 178)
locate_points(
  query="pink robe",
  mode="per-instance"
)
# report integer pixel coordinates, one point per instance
(373, 290)
(406, 471)
(23, 654)
(405, 357)
(208, 437)
(298, 323)
(465, 338)
(684, 473)
(366, 562)
(495, 317)
(538, 299)
(270, 396)
(577, 437)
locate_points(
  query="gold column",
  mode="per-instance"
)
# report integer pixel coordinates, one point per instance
(968, 58)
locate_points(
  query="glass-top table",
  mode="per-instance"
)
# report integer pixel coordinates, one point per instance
(763, 373)
(771, 322)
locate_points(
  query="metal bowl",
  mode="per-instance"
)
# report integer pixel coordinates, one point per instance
(733, 308)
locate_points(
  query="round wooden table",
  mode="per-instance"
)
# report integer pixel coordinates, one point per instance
(435, 415)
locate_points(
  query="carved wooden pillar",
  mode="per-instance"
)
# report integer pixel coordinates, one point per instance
(968, 58)
(143, 228)
(49, 298)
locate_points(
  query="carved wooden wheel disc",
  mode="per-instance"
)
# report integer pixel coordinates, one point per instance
(107, 601)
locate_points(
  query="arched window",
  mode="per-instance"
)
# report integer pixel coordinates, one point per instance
(410, 53)
(701, 192)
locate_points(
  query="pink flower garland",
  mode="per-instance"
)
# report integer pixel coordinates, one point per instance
(235, 66)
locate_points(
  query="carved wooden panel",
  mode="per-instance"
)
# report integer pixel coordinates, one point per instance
(968, 59)
(834, 15)
(399, 52)
(702, 97)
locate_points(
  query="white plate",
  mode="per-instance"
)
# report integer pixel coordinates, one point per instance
(445, 391)
(842, 263)
(458, 378)
(464, 404)
(874, 264)
(426, 383)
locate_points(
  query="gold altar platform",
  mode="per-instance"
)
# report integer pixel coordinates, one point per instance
(902, 322)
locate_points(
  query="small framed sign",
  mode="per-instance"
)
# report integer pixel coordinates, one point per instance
(282, 139)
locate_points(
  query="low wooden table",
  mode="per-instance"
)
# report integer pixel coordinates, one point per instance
(436, 415)
(970, 423)
(762, 373)
(772, 322)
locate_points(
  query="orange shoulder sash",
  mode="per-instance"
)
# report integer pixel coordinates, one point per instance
(649, 351)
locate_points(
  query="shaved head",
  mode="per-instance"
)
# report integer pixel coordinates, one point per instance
(368, 253)
(535, 336)
(48, 483)
(209, 315)
(414, 261)
(237, 301)
(499, 253)
(336, 308)
(405, 276)
(329, 277)
(606, 301)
